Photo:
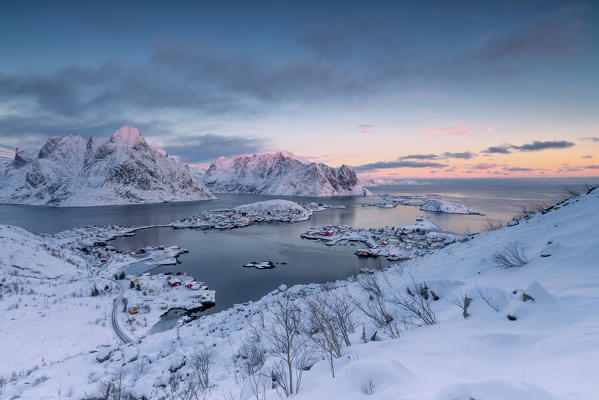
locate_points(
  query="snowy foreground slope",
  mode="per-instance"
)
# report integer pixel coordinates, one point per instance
(548, 348)
(281, 174)
(47, 311)
(122, 169)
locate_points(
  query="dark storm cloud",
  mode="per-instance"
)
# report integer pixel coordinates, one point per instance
(197, 149)
(465, 155)
(398, 164)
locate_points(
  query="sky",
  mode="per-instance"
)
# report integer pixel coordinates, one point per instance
(394, 89)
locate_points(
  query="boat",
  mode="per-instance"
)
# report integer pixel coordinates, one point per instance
(260, 265)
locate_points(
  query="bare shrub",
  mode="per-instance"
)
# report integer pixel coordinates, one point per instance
(329, 324)
(253, 362)
(488, 299)
(368, 387)
(183, 388)
(491, 225)
(201, 362)
(288, 343)
(529, 210)
(417, 306)
(511, 256)
(463, 302)
(570, 193)
(376, 309)
(114, 386)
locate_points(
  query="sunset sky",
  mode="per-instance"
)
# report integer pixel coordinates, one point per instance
(395, 90)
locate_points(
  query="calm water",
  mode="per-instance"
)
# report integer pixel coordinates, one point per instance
(216, 257)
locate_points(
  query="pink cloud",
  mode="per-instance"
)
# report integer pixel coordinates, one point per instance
(484, 166)
(461, 128)
(366, 128)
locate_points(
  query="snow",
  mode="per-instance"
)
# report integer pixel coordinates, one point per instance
(549, 352)
(122, 169)
(281, 174)
(129, 134)
(44, 288)
(248, 214)
(269, 206)
(426, 203)
(445, 206)
(396, 244)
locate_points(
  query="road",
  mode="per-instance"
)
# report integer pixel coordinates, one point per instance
(115, 307)
(114, 320)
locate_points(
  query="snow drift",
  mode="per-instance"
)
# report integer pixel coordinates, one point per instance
(122, 169)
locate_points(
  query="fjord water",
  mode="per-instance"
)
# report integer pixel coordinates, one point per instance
(216, 257)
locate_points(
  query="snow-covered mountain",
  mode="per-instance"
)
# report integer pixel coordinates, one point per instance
(281, 173)
(122, 169)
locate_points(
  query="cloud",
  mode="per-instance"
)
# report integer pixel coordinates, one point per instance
(518, 169)
(590, 139)
(534, 146)
(555, 36)
(458, 129)
(465, 155)
(586, 157)
(419, 157)
(483, 166)
(32, 131)
(498, 150)
(203, 148)
(398, 164)
(538, 145)
(348, 58)
(366, 128)
(595, 166)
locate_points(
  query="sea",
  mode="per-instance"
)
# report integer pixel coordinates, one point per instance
(217, 257)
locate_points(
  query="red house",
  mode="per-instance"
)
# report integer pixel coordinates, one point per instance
(174, 282)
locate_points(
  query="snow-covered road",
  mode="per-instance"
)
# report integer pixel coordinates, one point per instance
(113, 316)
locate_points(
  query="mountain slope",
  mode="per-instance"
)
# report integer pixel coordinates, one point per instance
(281, 174)
(122, 169)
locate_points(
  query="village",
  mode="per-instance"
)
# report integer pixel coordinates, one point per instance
(396, 244)
(147, 298)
